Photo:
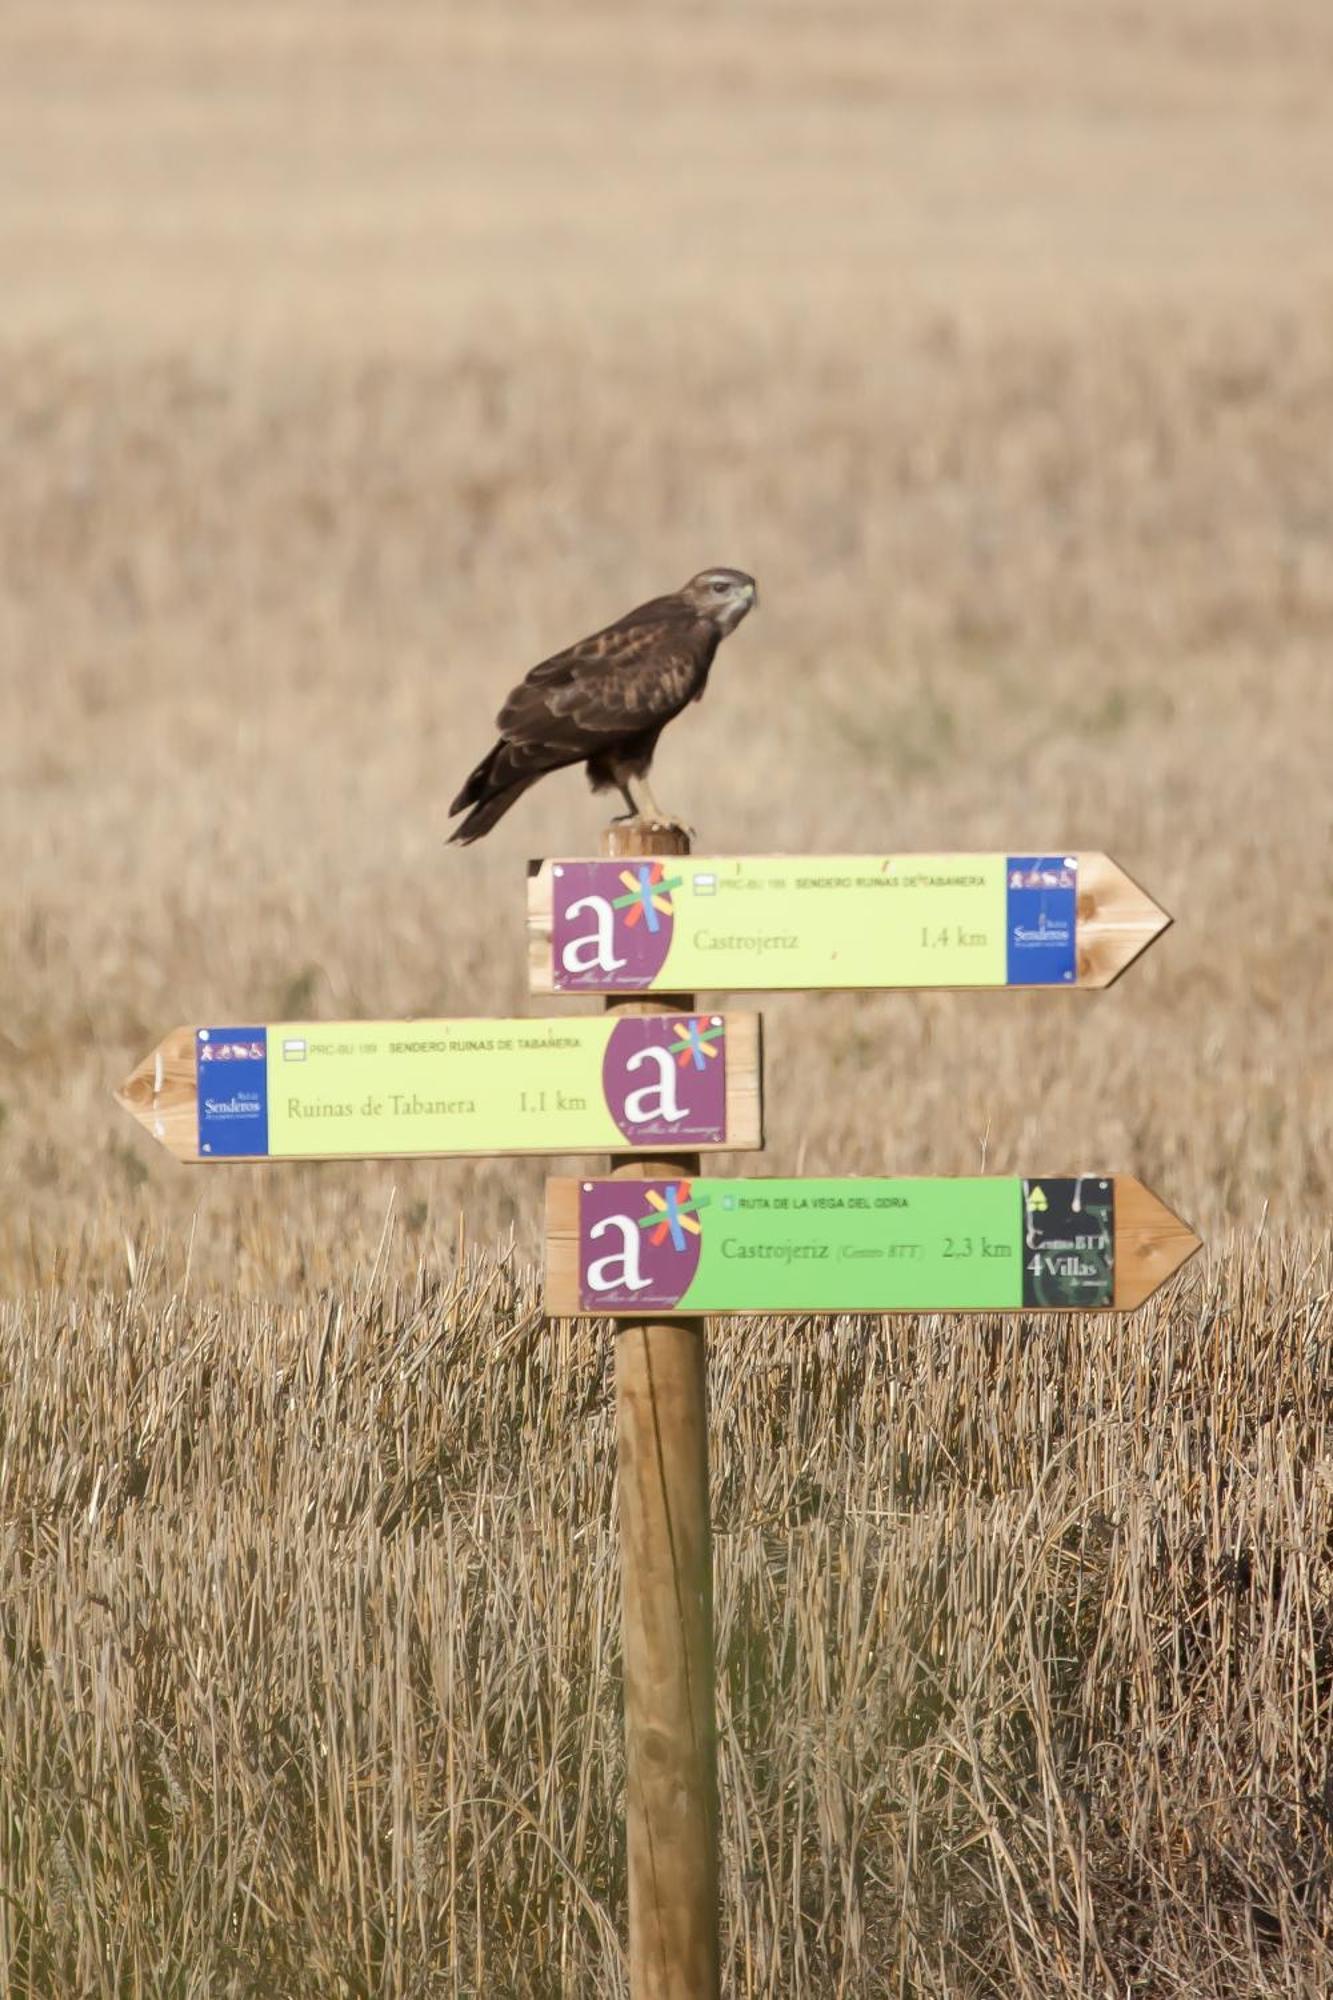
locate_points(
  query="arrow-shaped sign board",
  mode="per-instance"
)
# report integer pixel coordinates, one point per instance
(328, 1090)
(786, 922)
(653, 1248)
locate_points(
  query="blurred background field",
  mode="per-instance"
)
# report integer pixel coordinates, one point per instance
(351, 358)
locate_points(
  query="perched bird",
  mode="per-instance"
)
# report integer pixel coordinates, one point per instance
(605, 701)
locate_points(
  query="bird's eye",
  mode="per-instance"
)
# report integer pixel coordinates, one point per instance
(721, 587)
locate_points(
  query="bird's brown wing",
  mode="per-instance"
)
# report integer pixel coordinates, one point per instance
(622, 683)
(633, 676)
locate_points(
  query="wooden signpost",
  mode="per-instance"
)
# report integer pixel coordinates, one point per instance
(775, 923)
(666, 1593)
(655, 1083)
(338, 1090)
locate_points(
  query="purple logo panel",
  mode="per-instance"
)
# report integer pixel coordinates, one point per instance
(639, 1242)
(665, 1079)
(611, 923)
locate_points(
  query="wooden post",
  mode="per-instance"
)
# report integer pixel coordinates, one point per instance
(666, 1568)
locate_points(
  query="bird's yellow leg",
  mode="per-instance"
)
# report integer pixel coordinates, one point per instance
(655, 811)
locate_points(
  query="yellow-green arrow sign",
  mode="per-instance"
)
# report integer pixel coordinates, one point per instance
(690, 923)
(326, 1090)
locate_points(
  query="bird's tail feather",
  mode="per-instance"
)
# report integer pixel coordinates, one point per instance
(478, 781)
(483, 817)
(490, 791)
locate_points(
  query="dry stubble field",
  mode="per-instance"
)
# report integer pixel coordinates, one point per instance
(346, 369)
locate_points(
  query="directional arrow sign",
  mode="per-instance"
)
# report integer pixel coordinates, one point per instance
(628, 1248)
(326, 1090)
(783, 922)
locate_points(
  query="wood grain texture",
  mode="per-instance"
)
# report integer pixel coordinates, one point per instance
(745, 1083)
(540, 980)
(666, 1568)
(562, 1250)
(161, 1093)
(1117, 921)
(1151, 1245)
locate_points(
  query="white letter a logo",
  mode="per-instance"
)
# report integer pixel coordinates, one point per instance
(621, 1268)
(596, 951)
(654, 1100)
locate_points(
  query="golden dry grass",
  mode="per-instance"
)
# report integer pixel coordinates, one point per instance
(353, 359)
(1014, 592)
(309, 1624)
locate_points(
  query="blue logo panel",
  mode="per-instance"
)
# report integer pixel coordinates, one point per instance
(1042, 913)
(232, 1069)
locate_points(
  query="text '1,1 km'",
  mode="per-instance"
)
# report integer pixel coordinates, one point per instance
(328, 1090)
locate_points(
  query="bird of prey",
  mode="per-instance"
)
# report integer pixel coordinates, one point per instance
(605, 701)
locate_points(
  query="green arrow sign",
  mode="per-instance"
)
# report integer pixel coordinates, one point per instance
(641, 1249)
